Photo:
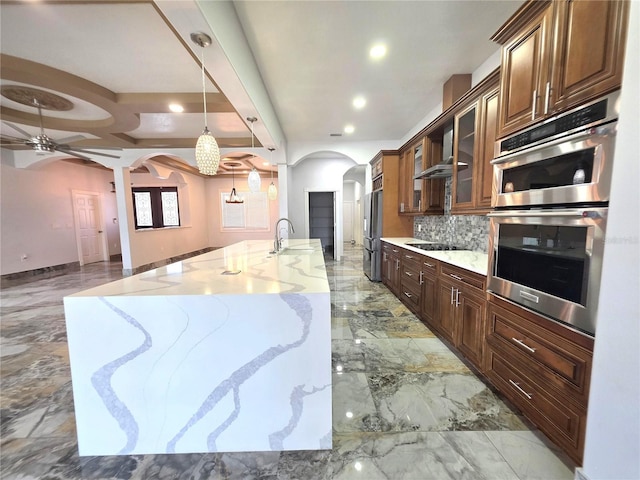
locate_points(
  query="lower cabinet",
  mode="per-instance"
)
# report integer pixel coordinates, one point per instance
(539, 365)
(543, 368)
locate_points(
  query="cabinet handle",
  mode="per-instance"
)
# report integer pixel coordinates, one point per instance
(452, 295)
(429, 265)
(533, 109)
(457, 297)
(523, 345)
(421, 281)
(408, 256)
(528, 395)
(408, 294)
(409, 274)
(546, 98)
(455, 276)
(397, 264)
(394, 250)
(384, 255)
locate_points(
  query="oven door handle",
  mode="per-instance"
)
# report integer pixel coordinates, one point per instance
(549, 213)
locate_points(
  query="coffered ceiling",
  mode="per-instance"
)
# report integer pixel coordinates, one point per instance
(295, 65)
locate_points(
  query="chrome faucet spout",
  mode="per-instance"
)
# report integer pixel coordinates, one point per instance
(278, 240)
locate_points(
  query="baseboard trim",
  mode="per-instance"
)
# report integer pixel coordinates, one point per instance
(580, 475)
(19, 278)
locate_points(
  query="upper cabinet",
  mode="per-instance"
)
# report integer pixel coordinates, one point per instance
(417, 196)
(475, 128)
(556, 55)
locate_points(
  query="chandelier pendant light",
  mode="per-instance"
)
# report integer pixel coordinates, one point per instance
(207, 151)
(272, 191)
(254, 176)
(233, 197)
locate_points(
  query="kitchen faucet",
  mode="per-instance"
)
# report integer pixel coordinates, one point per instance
(278, 241)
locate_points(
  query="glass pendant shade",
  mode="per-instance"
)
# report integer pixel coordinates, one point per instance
(207, 153)
(254, 180)
(272, 192)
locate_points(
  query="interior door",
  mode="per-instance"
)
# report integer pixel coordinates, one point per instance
(347, 222)
(89, 229)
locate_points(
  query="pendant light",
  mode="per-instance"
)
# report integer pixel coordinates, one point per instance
(254, 176)
(207, 151)
(272, 191)
(233, 197)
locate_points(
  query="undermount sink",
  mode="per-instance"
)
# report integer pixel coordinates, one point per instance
(296, 251)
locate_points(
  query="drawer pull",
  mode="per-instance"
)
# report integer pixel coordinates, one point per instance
(394, 250)
(409, 274)
(528, 395)
(408, 256)
(523, 345)
(457, 297)
(429, 265)
(455, 276)
(408, 294)
(452, 289)
(421, 280)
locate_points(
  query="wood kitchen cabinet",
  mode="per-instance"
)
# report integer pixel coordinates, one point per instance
(418, 196)
(475, 129)
(556, 55)
(543, 368)
(385, 175)
(391, 267)
(428, 280)
(411, 280)
(461, 311)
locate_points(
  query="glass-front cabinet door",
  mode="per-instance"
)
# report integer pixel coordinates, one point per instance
(411, 189)
(464, 152)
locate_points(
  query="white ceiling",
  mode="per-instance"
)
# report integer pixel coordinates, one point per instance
(312, 57)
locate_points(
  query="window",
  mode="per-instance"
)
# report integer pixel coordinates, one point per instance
(155, 207)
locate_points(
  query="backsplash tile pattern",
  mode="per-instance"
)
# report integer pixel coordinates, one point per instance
(465, 231)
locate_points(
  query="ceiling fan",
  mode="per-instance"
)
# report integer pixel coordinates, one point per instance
(42, 143)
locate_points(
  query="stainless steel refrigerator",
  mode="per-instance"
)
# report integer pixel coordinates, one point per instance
(372, 233)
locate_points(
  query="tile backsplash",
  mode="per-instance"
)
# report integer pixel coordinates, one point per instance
(465, 231)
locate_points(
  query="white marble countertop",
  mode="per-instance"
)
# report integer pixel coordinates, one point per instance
(477, 262)
(298, 268)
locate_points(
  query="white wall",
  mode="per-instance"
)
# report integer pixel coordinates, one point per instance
(316, 175)
(612, 450)
(149, 246)
(218, 238)
(37, 214)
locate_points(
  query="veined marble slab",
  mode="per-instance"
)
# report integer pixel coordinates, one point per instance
(477, 262)
(182, 359)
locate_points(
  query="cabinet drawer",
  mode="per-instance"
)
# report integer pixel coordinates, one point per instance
(410, 275)
(563, 421)
(470, 278)
(558, 361)
(429, 266)
(410, 292)
(411, 259)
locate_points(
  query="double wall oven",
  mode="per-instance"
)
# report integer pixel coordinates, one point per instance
(550, 198)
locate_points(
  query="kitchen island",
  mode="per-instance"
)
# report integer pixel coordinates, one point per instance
(226, 351)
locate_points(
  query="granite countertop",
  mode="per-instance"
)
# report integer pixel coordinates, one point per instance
(477, 262)
(246, 267)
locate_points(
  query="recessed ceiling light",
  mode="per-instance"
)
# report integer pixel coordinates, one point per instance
(265, 164)
(378, 51)
(176, 108)
(349, 129)
(359, 102)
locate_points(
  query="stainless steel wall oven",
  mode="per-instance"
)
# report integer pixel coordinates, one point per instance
(550, 198)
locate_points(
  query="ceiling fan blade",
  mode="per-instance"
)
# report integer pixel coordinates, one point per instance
(18, 129)
(74, 154)
(74, 138)
(9, 138)
(68, 149)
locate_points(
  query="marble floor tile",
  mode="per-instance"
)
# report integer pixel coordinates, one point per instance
(531, 456)
(404, 406)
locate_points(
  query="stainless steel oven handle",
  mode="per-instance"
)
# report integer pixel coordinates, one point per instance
(530, 297)
(546, 213)
(534, 104)
(546, 98)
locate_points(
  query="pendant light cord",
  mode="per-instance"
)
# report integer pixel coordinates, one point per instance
(204, 91)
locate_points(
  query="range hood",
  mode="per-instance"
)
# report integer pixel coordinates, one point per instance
(441, 170)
